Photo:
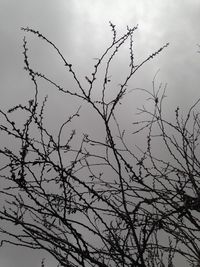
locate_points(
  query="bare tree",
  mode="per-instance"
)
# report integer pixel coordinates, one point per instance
(103, 203)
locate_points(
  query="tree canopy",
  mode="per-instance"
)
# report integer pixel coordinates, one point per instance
(101, 201)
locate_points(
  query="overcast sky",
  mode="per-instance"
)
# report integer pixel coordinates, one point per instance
(80, 28)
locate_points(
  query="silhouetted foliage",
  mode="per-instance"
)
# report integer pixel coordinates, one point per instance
(105, 203)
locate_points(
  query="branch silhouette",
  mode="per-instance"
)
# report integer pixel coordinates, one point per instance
(102, 202)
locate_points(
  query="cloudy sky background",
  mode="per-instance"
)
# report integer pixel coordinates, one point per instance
(80, 28)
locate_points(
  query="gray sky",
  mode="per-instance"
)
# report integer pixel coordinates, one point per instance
(80, 29)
